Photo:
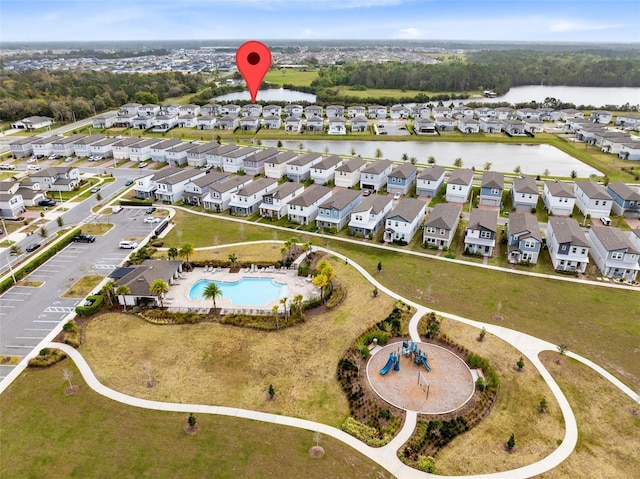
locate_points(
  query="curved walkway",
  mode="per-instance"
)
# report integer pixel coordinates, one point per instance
(387, 456)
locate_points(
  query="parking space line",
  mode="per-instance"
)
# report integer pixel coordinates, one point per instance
(36, 329)
(44, 321)
(11, 299)
(29, 337)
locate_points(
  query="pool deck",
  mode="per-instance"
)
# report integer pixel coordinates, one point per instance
(177, 299)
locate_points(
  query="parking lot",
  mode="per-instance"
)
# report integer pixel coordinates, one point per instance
(396, 128)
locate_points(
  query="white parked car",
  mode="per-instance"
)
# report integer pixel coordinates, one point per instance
(128, 245)
(397, 196)
(33, 159)
(151, 219)
(142, 165)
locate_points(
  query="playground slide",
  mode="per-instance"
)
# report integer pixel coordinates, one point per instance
(423, 360)
(387, 367)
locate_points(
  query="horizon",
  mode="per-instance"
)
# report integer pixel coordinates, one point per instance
(499, 21)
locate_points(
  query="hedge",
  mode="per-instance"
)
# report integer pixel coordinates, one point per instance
(97, 299)
(135, 202)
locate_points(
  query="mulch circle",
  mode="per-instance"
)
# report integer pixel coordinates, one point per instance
(71, 390)
(192, 429)
(316, 452)
(498, 317)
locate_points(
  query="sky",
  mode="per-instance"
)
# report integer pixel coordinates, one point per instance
(515, 20)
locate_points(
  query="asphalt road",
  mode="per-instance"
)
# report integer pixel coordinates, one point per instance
(28, 314)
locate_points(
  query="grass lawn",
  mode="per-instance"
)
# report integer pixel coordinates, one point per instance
(45, 433)
(291, 77)
(211, 363)
(96, 229)
(83, 286)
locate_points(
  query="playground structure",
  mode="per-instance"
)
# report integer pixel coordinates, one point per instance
(393, 361)
(408, 349)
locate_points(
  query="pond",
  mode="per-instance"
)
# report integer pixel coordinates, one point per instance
(270, 95)
(504, 157)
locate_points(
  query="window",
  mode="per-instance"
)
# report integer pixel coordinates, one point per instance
(485, 234)
(443, 231)
(431, 229)
(495, 191)
(583, 251)
(617, 255)
(597, 202)
(574, 250)
(530, 244)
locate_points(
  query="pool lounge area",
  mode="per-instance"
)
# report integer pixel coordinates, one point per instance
(280, 282)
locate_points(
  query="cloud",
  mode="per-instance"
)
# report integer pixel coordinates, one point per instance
(409, 33)
(573, 26)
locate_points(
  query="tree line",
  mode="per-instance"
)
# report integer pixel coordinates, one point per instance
(65, 95)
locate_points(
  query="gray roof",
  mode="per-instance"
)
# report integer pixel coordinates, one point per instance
(377, 167)
(229, 184)
(181, 176)
(125, 142)
(407, 209)
(148, 142)
(351, 165)
(340, 199)
(87, 140)
(492, 179)
(487, 219)
(256, 186)
(593, 190)
(444, 215)
(624, 191)
(282, 157)
(525, 184)
(43, 141)
(305, 159)
(167, 144)
(403, 171)
(140, 278)
(181, 147)
(285, 189)
(204, 148)
(63, 140)
(165, 172)
(559, 189)
(106, 142)
(23, 141)
(263, 155)
(310, 195)
(567, 230)
(461, 177)
(246, 150)
(211, 177)
(526, 223)
(327, 162)
(223, 149)
(375, 203)
(432, 173)
(614, 239)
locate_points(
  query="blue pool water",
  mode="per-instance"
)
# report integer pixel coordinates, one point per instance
(245, 292)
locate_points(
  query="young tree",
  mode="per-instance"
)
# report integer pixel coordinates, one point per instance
(43, 232)
(543, 406)
(279, 144)
(148, 370)
(98, 197)
(562, 349)
(520, 363)
(274, 310)
(271, 392)
(233, 258)
(517, 170)
(68, 376)
(431, 160)
(60, 222)
(212, 291)
(413, 160)
(405, 157)
(159, 287)
(172, 253)
(191, 421)
(297, 304)
(378, 153)
(123, 290)
(482, 334)
(375, 291)
(283, 302)
(457, 162)
(574, 174)
(487, 166)
(511, 443)
(379, 266)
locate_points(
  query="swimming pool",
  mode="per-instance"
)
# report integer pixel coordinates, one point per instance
(245, 292)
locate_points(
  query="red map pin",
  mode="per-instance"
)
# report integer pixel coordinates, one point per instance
(253, 60)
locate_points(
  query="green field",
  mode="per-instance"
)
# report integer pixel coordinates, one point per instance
(291, 77)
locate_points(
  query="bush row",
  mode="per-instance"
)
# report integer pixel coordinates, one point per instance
(72, 334)
(93, 308)
(47, 357)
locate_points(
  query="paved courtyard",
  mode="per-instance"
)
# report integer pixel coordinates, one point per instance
(450, 380)
(178, 296)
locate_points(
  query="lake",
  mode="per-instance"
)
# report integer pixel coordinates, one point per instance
(504, 157)
(270, 95)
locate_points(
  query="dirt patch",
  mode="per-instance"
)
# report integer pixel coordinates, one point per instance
(71, 390)
(316, 452)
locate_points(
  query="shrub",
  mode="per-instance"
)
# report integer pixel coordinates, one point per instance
(367, 434)
(426, 464)
(49, 358)
(337, 295)
(95, 306)
(72, 334)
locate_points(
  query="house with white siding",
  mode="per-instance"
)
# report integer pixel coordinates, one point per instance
(197, 155)
(377, 112)
(190, 109)
(558, 198)
(81, 145)
(276, 167)
(219, 196)
(404, 220)
(293, 123)
(513, 127)
(313, 111)
(227, 122)
(505, 113)
(527, 114)
(105, 120)
(459, 186)
(275, 203)
(374, 175)
(356, 110)
(481, 231)
(628, 151)
(468, 125)
(440, 112)
(334, 111)
(592, 199)
(324, 171)
(247, 199)
(271, 122)
(347, 175)
(42, 146)
(196, 189)
(461, 112)
(150, 110)
(272, 110)
(32, 123)
(159, 150)
(490, 125)
(230, 109)
(524, 241)
(601, 116)
(299, 169)
(56, 178)
(628, 120)
(485, 112)
(142, 151)
(430, 181)
(441, 225)
(65, 145)
(129, 109)
(178, 155)
(142, 122)
(568, 245)
(314, 123)
(337, 126)
(251, 109)
(359, 124)
(424, 126)
(234, 160)
(121, 148)
(254, 164)
(369, 216)
(399, 112)
(614, 253)
(21, 147)
(11, 201)
(171, 188)
(303, 208)
(334, 213)
(103, 148)
(145, 186)
(206, 122)
(445, 123)
(293, 111)
(187, 121)
(568, 113)
(215, 157)
(524, 193)
(249, 123)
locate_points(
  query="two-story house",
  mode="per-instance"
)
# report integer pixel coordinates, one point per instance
(105, 120)
(81, 145)
(378, 112)
(171, 188)
(271, 122)
(626, 201)
(293, 111)
(206, 122)
(159, 151)
(558, 198)
(356, 110)
(334, 111)
(273, 110)
(324, 171)
(142, 151)
(219, 196)
(359, 124)
(401, 179)
(42, 146)
(337, 126)
(568, 245)
(374, 175)
(430, 181)
(424, 126)
(145, 186)
(399, 112)
(197, 155)
(524, 193)
(347, 175)
(254, 164)
(227, 122)
(178, 155)
(490, 125)
(249, 123)
(103, 148)
(523, 238)
(303, 208)
(481, 231)
(628, 151)
(247, 199)
(234, 160)
(275, 203)
(230, 109)
(11, 201)
(334, 213)
(459, 186)
(313, 111)
(315, 123)
(592, 199)
(215, 157)
(293, 123)
(514, 127)
(369, 216)
(121, 148)
(491, 188)
(600, 116)
(404, 220)
(129, 109)
(614, 253)
(57, 178)
(299, 169)
(251, 109)
(21, 147)
(441, 225)
(196, 189)
(468, 125)
(276, 166)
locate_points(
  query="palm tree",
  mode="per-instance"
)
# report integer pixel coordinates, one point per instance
(297, 304)
(306, 248)
(233, 258)
(159, 287)
(172, 253)
(283, 302)
(186, 249)
(320, 281)
(457, 162)
(274, 310)
(212, 291)
(379, 153)
(123, 290)
(107, 291)
(15, 250)
(431, 160)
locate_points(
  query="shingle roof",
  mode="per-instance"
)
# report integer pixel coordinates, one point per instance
(624, 191)
(613, 239)
(432, 173)
(444, 215)
(526, 223)
(492, 179)
(559, 189)
(310, 195)
(211, 177)
(256, 186)
(351, 165)
(407, 209)
(461, 177)
(593, 190)
(229, 184)
(377, 167)
(305, 159)
(282, 157)
(375, 203)
(567, 230)
(487, 219)
(340, 199)
(328, 162)
(285, 189)
(403, 171)
(139, 279)
(180, 176)
(525, 184)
